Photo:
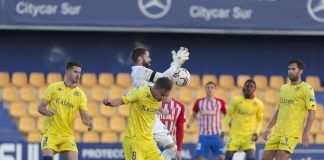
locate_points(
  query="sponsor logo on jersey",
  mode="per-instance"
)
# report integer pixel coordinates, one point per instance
(286, 101)
(297, 88)
(147, 109)
(64, 103)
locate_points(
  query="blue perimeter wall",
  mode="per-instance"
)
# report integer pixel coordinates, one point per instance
(109, 52)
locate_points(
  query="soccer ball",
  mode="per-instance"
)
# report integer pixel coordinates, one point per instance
(181, 77)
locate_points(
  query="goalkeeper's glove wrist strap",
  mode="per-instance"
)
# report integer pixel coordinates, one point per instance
(175, 64)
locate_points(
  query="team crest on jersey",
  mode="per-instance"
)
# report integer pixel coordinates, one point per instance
(45, 141)
(297, 88)
(254, 104)
(148, 96)
(312, 100)
(59, 89)
(147, 71)
(76, 93)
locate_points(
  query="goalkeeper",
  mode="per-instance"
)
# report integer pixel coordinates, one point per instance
(142, 74)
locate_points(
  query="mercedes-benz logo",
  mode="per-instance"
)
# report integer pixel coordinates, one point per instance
(316, 10)
(154, 8)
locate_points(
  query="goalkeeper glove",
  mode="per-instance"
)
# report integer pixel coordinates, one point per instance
(180, 57)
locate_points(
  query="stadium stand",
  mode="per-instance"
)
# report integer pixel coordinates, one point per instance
(195, 81)
(53, 77)
(209, 78)
(106, 79)
(109, 137)
(123, 79)
(4, 79)
(89, 79)
(101, 124)
(91, 137)
(121, 127)
(226, 81)
(241, 79)
(123, 110)
(19, 79)
(23, 96)
(276, 81)
(315, 82)
(262, 82)
(186, 95)
(37, 79)
(34, 136)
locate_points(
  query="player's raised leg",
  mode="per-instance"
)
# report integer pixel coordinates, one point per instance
(70, 155)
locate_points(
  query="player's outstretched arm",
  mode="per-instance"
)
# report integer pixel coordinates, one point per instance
(86, 120)
(259, 121)
(113, 102)
(193, 117)
(309, 122)
(179, 138)
(229, 115)
(271, 124)
(180, 131)
(255, 136)
(149, 75)
(178, 60)
(42, 108)
(226, 122)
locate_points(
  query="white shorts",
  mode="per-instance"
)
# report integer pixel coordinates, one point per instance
(161, 135)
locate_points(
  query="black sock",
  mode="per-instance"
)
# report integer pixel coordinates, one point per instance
(47, 158)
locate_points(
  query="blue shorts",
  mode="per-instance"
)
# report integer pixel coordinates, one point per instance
(212, 142)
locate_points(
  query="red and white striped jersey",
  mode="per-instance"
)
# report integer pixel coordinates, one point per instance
(176, 114)
(210, 115)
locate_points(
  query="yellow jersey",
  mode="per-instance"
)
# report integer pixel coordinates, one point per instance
(246, 115)
(67, 102)
(295, 100)
(142, 113)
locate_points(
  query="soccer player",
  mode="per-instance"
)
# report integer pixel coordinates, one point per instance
(211, 135)
(245, 116)
(143, 75)
(145, 101)
(296, 99)
(174, 121)
(64, 100)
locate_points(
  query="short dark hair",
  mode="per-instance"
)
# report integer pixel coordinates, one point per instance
(249, 81)
(210, 82)
(137, 52)
(300, 63)
(163, 83)
(72, 63)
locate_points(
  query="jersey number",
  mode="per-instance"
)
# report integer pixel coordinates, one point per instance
(45, 141)
(133, 155)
